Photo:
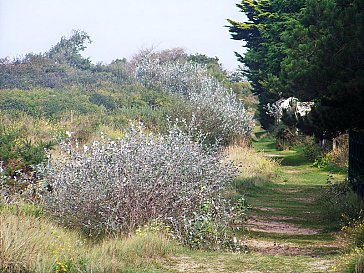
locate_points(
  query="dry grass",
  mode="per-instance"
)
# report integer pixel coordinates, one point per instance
(254, 167)
(29, 244)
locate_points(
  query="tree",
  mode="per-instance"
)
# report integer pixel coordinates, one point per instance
(261, 35)
(312, 50)
(325, 63)
(68, 50)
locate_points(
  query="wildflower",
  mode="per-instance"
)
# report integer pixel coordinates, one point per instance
(85, 148)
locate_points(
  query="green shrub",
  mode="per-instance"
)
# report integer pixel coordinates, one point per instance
(338, 158)
(311, 149)
(22, 209)
(18, 153)
(320, 162)
(342, 204)
(286, 138)
(106, 101)
(354, 232)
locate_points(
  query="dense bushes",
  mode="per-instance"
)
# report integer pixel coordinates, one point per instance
(342, 204)
(311, 149)
(110, 108)
(158, 174)
(217, 111)
(19, 154)
(122, 185)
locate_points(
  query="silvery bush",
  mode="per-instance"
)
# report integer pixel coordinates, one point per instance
(218, 112)
(119, 186)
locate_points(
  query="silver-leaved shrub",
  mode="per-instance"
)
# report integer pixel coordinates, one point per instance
(218, 112)
(119, 186)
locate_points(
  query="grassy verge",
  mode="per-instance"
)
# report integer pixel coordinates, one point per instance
(288, 217)
(250, 262)
(33, 244)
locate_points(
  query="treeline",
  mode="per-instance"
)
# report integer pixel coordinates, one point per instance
(56, 78)
(312, 50)
(63, 66)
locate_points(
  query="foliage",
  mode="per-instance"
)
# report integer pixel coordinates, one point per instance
(326, 63)
(354, 232)
(102, 108)
(62, 66)
(286, 138)
(21, 209)
(214, 68)
(310, 49)
(122, 185)
(49, 103)
(216, 110)
(67, 50)
(18, 154)
(338, 157)
(208, 228)
(332, 159)
(162, 176)
(311, 149)
(37, 70)
(342, 203)
(254, 169)
(266, 20)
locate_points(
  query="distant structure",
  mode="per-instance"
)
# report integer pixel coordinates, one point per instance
(291, 104)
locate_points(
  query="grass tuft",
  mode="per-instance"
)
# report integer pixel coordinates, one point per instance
(254, 168)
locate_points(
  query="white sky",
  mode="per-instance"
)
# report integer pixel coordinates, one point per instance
(120, 28)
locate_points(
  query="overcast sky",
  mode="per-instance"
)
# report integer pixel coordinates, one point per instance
(120, 28)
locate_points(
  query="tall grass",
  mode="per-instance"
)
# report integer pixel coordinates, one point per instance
(253, 168)
(30, 244)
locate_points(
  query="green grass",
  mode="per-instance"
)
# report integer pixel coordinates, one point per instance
(295, 191)
(294, 198)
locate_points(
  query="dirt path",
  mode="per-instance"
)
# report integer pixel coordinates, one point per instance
(287, 217)
(278, 225)
(287, 230)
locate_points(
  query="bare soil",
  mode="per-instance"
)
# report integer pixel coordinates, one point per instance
(270, 226)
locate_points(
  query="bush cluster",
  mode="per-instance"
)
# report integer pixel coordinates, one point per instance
(218, 112)
(118, 186)
(342, 203)
(311, 150)
(18, 153)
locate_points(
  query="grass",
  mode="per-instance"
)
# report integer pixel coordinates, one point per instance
(250, 262)
(291, 201)
(253, 167)
(34, 244)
